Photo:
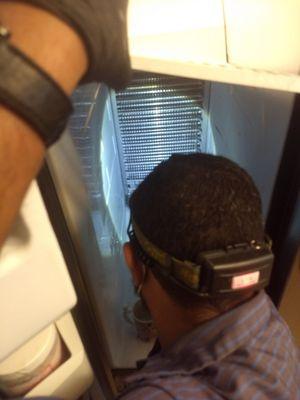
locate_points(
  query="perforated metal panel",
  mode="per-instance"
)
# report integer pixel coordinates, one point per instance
(157, 116)
(85, 138)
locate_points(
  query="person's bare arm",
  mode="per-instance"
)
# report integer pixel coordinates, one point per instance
(60, 52)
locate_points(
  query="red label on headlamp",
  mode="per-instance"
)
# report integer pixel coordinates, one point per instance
(245, 280)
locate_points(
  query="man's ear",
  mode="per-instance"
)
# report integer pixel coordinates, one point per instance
(133, 264)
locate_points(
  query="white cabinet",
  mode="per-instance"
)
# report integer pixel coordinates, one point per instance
(245, 42)
(35, 287)
(264, 34)
(180, 31)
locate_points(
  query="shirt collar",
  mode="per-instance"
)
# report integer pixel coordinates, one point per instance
(210, 342)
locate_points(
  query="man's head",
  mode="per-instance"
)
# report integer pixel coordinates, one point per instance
(194, 203)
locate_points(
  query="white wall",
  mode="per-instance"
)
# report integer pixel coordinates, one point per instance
(249, 126)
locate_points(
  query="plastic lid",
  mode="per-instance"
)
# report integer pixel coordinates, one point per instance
(30, 356)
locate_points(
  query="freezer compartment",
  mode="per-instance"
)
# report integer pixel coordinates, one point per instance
(119, 138)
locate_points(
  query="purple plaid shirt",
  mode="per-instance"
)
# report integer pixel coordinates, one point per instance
(247, 353)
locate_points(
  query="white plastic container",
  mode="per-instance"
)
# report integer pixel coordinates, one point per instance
(74, 376)
(32, 363)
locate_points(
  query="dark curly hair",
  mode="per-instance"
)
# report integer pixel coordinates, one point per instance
(193, 203)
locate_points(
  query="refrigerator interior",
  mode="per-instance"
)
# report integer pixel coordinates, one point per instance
(119, 138)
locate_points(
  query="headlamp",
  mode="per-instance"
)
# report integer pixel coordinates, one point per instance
(232, 269)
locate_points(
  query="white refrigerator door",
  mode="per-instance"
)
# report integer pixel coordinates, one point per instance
(245, 42)
(35, 287)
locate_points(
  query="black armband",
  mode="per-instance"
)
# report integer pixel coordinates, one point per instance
(31, 93)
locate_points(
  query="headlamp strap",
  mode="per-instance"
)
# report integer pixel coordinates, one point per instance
(220, 271)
